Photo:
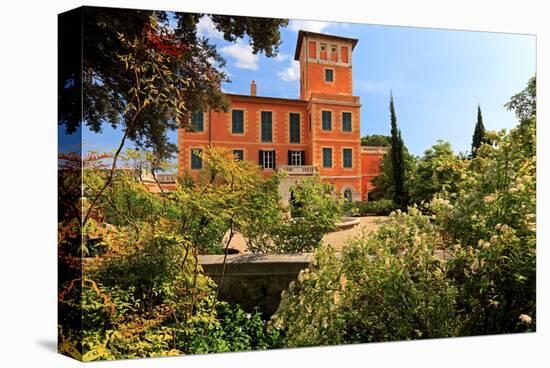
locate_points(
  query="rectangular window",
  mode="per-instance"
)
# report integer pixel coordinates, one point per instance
(267, 126)
(329, 75)
(296, 158)
(196, 158)
(312, 50)
(327, 157)
(323, 51)
(344, 52)
(237, 121)
(267, 159)
(334, 53)
(238, 154)
(197, 120)
(294, 127)
(346, 121)
(347, 157)
(327, 120)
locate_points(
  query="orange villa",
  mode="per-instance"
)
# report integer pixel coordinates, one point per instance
(317, 133)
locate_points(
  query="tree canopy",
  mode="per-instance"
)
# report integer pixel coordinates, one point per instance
(107, 83)
(376, 140)
(479, 132)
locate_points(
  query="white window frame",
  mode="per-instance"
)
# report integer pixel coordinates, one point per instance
(296, 158)
(268, 159)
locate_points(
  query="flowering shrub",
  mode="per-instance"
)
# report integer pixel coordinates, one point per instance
(390, 286)
(464, 265)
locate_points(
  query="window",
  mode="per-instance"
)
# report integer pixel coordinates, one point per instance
(310, 122)
(348, 161)
(294, 126)
(238, 154)
(334, 53)
(237, 121)
(348, 195)
(323, 51)
(346, 121)
(296, 158)
(329, 75)
(196, 158)
(267, 126)
(267, 159)
(327, 120)
(327, 157)
(197, 120)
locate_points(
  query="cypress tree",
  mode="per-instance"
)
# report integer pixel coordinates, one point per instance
(479, 133)
(398, 162)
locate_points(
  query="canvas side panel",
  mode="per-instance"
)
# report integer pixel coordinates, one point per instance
(70, 183)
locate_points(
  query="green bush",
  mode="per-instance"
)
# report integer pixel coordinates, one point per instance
(381, 207)
(313, 211)
(391, 286)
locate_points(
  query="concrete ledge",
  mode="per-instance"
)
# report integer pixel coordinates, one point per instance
(255, 280)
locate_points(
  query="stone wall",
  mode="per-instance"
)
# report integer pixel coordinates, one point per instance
(255, 280)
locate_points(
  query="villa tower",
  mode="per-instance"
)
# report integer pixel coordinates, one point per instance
(317, 133)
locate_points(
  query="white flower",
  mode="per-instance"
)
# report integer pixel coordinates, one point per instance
(525, 319)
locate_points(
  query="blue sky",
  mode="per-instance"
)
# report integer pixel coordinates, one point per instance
(438, 77)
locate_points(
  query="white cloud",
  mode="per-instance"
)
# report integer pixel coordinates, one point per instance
(206, 28)
(282, 57)
(242, 53)
(308, 25)
(292, 73)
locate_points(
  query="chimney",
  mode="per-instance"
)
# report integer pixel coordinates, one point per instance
(253, 88)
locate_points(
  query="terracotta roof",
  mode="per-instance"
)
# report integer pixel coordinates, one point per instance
(271, 99)
(302, 34)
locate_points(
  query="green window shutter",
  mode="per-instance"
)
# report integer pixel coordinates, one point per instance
(327, 120)
(346, 121)
(237, 121)
(267, 126)
(327, 157)
(294, 127)
(303, 153)
(289, 157)
(197, 120)
(347, 159)
(196, 159)
(261, 158)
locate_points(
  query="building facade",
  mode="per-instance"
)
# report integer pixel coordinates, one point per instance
(317, 133)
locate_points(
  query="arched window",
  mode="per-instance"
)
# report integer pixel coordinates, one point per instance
(348, 195)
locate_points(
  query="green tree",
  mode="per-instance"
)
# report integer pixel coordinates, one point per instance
(376, 140)
(436, 171)
(479, 133)
(384, 182)
(107, 83)
(400, 196)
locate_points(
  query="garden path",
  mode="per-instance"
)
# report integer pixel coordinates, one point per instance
(337, 239)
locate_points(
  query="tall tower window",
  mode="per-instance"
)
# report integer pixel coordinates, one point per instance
(326, 120)
(329, 75)
(327, 157)
(237, 121)
(196, 159)
(346, 121)
(294, 127)
(323, 51)
(348, 158)
(267, 126)
(197, 120)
